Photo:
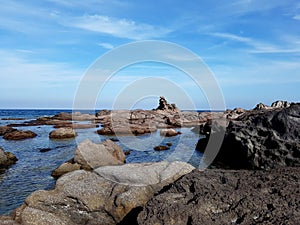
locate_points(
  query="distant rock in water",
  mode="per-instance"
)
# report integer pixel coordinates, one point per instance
(6, 129)
(19, 135)
(62, 133)
(165, 106)
(6, 159)
(262, 139)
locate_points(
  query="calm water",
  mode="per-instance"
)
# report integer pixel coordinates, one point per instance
(33, 169)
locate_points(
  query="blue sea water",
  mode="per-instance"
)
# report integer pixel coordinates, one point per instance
(33, 168)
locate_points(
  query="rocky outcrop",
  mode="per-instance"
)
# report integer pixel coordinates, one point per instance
(227, 197)
(62, 133)
(161, 148)
(165, 106)
(280, 104)
(104, 196)
(6, 159)
(6, 129)
(19, 135)
(262, 139)
(91, 156)
(126, 129)
(261, 106)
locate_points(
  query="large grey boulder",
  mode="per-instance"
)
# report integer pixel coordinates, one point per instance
(103, 196)
(91, 156)
(62, 133)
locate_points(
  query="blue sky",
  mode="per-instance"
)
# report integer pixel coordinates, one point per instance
(251, 46)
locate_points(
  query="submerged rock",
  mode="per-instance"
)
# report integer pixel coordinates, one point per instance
(19, 135)
(104, 196)
(227, 197)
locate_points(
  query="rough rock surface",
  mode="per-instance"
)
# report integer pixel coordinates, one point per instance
(62, 133)
(227, 197)
(6, 159)
(65, 168)
(104, 196)
(19, 135)
(280, 104)
(91, 156)
(261, 139)
(5, 129)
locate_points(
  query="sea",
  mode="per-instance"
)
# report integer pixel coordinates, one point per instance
(34, 166)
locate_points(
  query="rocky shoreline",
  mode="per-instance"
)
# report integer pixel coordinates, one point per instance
(254, 179)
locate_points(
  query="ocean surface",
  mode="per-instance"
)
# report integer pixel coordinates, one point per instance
(33, 169)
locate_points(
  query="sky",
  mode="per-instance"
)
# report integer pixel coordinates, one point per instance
(252, 48)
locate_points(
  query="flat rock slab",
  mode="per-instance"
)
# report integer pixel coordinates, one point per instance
(227, 197)
(105, 196)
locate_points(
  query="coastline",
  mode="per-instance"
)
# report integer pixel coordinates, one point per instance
(225, 176)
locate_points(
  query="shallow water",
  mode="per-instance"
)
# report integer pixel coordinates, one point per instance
(33, 169)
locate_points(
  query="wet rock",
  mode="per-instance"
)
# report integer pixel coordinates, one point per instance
(6, 129)
(161, 148)
(62, 133)
(45, 150)
(169, 132)
(6, 159)
(91, 156)
(106, 195)
(127, 152)
(19, 135)
(227, 197)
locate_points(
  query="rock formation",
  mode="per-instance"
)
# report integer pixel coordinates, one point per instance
(62, 133)
(19, 135)
(261, 139)
(227, 197)
(6, 159)
(104, 196)
(89, 156)
(165, 106)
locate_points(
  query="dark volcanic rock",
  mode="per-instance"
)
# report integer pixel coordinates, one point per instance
(263, 139)
(227, 197)
(19, 135)
(165, 106)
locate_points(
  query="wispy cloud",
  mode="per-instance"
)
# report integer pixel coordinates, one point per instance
(297, 17)
(122, 28)
(106, 45)
(259, 46)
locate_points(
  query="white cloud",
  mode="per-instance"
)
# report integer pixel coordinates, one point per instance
(106, 45)
(297, 17)
(122, 28)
